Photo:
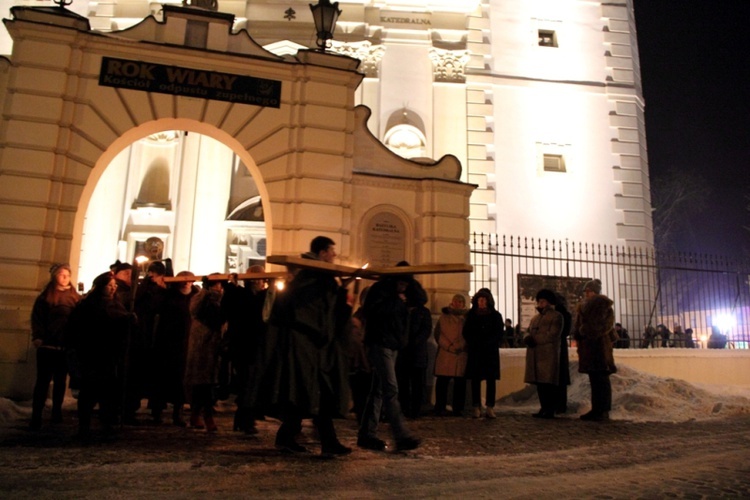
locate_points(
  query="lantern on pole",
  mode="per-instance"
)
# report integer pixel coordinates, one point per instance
(325, 15)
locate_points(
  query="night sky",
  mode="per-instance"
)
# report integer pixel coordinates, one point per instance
(696, 83)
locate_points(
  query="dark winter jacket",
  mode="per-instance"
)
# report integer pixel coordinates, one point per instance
(483, 332)
(593, 330)
(50, 314)
(98, 328)
(386, 316)
(420, 329)
(170, 345)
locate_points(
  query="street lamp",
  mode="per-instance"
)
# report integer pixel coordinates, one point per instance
(325, 15)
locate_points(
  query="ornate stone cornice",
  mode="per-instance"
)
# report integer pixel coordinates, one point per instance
(365, 51)
(449, 65)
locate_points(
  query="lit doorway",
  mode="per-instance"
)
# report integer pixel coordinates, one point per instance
(178, 195)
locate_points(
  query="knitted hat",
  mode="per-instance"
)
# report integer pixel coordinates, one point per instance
(547, 295)
(57, 267)
(594, 286)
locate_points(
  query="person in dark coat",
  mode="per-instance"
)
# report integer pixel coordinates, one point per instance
(243, 308)
(49, 321)
(561, 306)
(483, 331)
(170, 347)
(509, 335)
(542, 341)
(386, 332)
(623, 337)
(202, 362)
(306, 374)
(593, 329)
(98, 327)
(150, 297)
(649, 337)
(132, 362)
(664, 333)
(411, 364)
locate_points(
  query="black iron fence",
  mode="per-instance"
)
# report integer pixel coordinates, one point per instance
(661, 299)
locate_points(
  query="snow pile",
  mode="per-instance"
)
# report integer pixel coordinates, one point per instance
(10, 411)
(641, 397)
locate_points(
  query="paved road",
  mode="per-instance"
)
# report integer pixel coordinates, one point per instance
(513, 456)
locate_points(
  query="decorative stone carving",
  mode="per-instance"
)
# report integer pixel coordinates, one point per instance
(364, 51)
(164, 137)
(449, 65)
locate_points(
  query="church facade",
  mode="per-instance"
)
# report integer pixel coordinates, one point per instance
(125, 133)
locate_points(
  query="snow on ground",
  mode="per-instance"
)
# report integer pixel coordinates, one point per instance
(636, 396)
(641, 397)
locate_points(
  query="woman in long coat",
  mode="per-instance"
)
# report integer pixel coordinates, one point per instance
(483, 331)
(49, 320)
(202, 365)
(593, 330)
(543, 352)
(450, 362)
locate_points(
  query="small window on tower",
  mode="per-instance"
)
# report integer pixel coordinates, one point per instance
(554, 163)
(547, 38)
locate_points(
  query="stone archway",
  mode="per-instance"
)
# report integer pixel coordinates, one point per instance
(319, 170)
(62, 128)
(202, 159)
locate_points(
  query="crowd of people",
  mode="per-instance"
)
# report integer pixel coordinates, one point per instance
(298, 354)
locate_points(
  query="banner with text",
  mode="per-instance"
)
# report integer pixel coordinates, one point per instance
(150, 77)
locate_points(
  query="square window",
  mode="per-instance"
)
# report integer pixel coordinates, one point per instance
(554, 163)
(547, 38)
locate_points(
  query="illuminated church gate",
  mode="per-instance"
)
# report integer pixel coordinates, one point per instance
(99, 130)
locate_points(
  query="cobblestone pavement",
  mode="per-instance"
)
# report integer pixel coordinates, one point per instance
(513, 456)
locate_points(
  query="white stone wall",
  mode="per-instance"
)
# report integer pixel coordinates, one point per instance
(720, 367)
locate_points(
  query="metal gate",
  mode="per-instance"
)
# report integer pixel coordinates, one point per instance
(654, 292)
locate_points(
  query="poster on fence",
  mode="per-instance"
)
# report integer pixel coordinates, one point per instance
(530, 284)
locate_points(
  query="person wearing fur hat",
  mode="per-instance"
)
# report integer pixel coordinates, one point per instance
(49, 321)
(483, 331)
(543, 352)
(593, 330)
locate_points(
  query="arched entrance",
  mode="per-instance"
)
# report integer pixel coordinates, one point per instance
(293, 126)
(175, 194)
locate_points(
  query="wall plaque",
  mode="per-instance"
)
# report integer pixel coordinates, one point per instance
(385, 240)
